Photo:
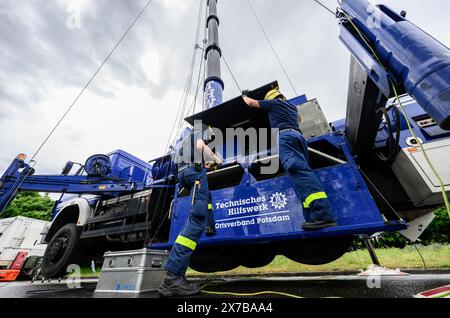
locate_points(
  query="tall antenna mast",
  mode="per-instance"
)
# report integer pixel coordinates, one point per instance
(214, 86)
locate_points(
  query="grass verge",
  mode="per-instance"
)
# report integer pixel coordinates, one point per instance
(435, 256)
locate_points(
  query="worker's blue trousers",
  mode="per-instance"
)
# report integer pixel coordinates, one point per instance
(185, 244)
(295, 160)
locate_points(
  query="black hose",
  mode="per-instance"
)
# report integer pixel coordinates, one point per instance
(393, 142)
(52, 291)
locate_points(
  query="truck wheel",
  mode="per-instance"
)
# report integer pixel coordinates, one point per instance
(317, 251)
(257, 256)
(60, 251)
(211, 260)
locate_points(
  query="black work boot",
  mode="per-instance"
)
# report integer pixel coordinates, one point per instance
(173, 286)
(318, 225)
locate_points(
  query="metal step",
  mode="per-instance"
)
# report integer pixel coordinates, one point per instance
(116, 230)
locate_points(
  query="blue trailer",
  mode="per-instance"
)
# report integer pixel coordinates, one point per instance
(370, 164)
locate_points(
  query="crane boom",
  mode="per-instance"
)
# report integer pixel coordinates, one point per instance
(213, 84)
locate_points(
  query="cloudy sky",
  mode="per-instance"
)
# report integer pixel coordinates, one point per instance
(45, 61)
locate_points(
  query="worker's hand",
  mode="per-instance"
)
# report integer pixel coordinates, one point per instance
(251, 102)
(218, 162)
(246, 92)
(246, 99)
(211, 165)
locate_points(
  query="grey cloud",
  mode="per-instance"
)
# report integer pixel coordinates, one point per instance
(39, 51)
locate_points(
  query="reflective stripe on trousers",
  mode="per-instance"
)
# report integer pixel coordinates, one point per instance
(314, 197)
(310, 191)
(190, 244)
(186, 242)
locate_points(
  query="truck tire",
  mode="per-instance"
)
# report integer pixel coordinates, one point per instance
(212, 260)
(257, 256)
(317, 251)
(61, 251)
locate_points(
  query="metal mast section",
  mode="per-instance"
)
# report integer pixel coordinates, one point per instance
(213, 86)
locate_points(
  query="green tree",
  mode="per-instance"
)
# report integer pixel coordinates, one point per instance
(437, 233)
(30, 205)
(439, 229)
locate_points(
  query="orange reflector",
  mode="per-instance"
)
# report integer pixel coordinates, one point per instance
(22, 156)
(412, 149)
(8, 275)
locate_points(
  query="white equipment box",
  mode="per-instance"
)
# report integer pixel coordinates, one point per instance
(136, 271)
(416, 176)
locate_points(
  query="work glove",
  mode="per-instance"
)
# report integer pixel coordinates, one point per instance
(211, 166)
(246, 92)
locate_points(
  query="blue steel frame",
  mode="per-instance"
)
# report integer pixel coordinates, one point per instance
(123, 179)
(276, 213)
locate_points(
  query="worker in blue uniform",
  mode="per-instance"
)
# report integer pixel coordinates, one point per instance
(294, 158)
(192, 158)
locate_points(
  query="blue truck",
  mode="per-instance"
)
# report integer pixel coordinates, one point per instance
(371, 163)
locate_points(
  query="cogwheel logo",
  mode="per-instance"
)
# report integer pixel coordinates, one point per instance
(278, 200)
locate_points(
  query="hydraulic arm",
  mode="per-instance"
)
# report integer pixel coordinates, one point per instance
(405, 56)
(105, 176)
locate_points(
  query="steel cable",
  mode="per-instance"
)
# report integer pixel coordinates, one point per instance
(182, 114)
(325, 7)
(85, 87)
(232, 74)
(178, 122)
(271, 46)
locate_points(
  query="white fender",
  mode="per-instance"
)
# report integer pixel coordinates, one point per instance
(83, 205)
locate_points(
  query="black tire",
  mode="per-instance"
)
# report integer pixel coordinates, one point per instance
(61, 251)
(257, 256)
(317, 251)
(211, 260)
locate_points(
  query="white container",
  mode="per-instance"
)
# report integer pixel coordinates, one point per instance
(20, 234)
(134, 272)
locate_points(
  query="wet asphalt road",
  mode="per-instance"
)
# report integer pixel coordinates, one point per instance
(345, 286)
